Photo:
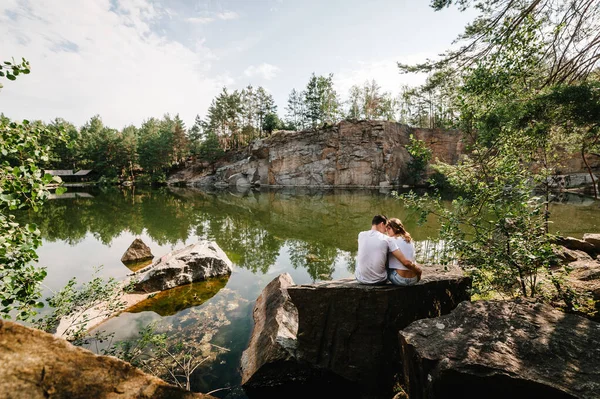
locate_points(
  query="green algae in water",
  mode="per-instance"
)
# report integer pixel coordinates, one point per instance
(170, 302)
(139, 265)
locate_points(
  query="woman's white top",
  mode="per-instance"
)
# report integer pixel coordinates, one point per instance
(407, 249)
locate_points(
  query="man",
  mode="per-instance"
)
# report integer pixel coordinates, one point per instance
(373, 248)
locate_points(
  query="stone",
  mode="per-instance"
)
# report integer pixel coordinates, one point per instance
(502, 349)
(138, 251)
(569, 255)
(347, 333)
(584, 279)
(576, 244)
(273, 338)
(593, 239)
(36, 365)
(195, 262)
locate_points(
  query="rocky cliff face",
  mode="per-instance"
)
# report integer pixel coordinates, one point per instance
(349, 154)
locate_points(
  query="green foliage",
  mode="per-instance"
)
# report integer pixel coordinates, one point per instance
(271, 123)
(495, 226)
(11, 69)
(22, 185)
(421, 155)
(367, 102)
(210, 149)
(77, 306)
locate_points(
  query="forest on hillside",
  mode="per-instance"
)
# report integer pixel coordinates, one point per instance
(232, 121)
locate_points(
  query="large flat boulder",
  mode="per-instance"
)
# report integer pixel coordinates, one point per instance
(195, 262)
(502, 349)
(347, 333)
(35, 364)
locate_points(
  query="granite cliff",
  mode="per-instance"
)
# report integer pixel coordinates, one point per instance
(349, 154)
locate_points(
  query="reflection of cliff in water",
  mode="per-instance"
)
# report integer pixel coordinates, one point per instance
(170, 302)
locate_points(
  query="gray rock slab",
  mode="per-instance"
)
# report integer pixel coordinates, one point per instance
(502, 349)
(195, 262)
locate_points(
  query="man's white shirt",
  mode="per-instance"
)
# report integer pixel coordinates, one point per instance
(373, 249)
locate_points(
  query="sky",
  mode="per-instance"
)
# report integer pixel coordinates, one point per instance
(128, 60)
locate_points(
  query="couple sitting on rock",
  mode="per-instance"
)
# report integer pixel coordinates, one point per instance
(396, 248)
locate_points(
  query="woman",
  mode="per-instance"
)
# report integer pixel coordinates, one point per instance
(398, 273)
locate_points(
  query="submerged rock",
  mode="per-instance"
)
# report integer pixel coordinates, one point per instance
(502, 349)
(173, 301)
(195, 262)
(35, 365)
(347, 333)
(137, 252)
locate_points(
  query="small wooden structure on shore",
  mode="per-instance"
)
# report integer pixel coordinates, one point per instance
(69, 175)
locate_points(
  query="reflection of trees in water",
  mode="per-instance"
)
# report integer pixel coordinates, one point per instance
(350, 261)
(251, 228)
(318, 259)
(247, 244)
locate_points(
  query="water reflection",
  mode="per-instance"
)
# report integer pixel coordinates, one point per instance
(170, 302)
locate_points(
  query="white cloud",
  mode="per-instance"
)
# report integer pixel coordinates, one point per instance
(384, 71)
(228, 15)
(264, 70)
(200, 20)
(88, 58)
(225, 16)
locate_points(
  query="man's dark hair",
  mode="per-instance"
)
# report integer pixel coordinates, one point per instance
(378, 219)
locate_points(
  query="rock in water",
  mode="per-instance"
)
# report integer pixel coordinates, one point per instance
(36, 365)
(347, 334)
(274, 334)
(270, 366)
(195, 262)
(137, 252)
(502, 349)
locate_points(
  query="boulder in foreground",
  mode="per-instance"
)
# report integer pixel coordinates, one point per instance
(138, 251)
(36, 365)
(346, 339)
(502, 349)
(195, 262)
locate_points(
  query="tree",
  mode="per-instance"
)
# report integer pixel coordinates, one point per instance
(210, 149)
(22, 185)
(568, 34)
(512, 98)
(196, 135)
(321, 101)
(265, 106)
(271, 123)
(296, 110)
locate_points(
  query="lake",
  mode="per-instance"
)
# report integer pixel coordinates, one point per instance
(308, 233)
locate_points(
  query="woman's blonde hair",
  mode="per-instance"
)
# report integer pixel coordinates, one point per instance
(398, 228)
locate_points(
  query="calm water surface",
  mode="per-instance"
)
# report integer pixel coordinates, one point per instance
(307, 233)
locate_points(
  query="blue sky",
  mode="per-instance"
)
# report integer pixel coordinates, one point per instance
(128, 60)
